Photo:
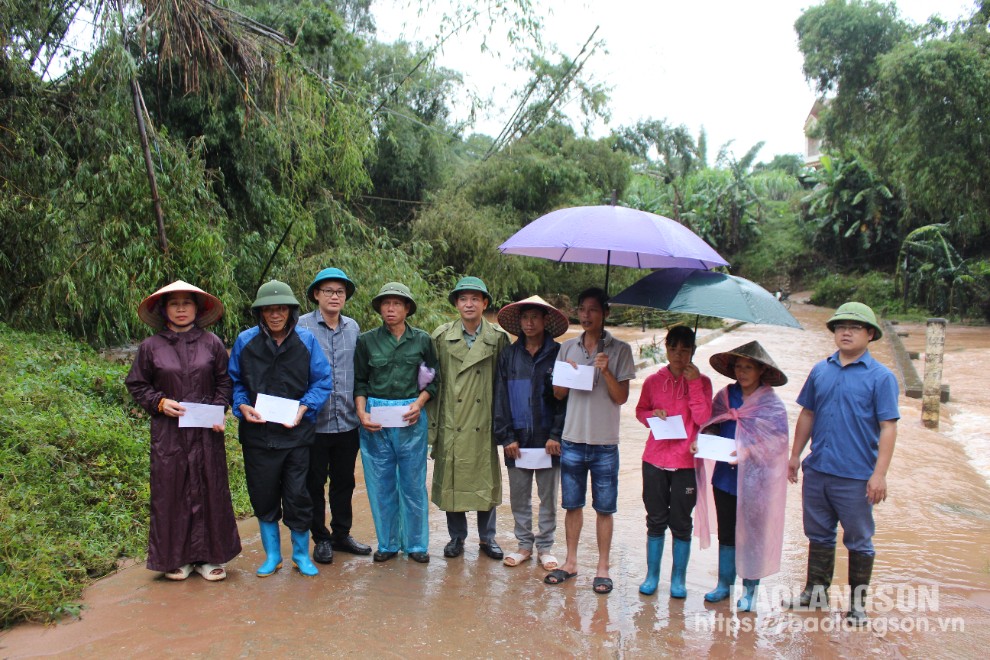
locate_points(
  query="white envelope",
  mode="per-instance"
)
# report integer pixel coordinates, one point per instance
(534, 459)
(200, 415)
(389, 416)
(277, 409)
(716, 448)
(582, 378)
(671, 428)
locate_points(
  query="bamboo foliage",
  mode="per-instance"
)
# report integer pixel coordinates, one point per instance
(196, 35)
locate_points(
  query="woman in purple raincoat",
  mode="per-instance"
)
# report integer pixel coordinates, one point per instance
(192, 518)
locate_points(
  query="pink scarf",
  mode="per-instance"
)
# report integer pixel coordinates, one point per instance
(762, 440)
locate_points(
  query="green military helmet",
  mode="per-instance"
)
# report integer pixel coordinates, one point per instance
(469, 284)
(858, 312)
(274, 292)
(397, 290)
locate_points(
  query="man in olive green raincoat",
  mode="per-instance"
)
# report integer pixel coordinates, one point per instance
(467, 475)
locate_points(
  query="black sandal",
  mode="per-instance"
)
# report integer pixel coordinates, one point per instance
(558, 576)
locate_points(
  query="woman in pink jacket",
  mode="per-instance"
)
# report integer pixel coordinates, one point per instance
(669, 488)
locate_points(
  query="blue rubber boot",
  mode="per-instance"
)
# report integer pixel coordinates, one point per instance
(654, 553)
(726, 574)
(747, 602)
(300, 554)
(678, 575)
(272, 543)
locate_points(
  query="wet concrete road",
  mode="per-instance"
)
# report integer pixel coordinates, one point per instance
(933, 536)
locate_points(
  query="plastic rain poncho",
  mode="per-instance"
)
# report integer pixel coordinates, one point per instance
(762, 451)
(394, 461)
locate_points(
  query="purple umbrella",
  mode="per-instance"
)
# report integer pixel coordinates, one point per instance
(612, 235)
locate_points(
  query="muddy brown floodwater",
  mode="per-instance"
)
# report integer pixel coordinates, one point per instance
(931, 586)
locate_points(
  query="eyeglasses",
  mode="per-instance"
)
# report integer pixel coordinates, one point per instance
(848, 327)
(334, 293)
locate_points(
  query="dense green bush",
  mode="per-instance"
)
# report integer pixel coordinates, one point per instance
(781, 253)
(73, 473)
(776, 185)
(876, 289)
(979, 302)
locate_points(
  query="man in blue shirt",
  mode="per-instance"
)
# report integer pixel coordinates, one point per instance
(849, 412)
(334, 452)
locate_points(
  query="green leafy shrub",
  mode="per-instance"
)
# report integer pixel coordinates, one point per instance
(781, 252)
(875, 289)
(979, 301)
(73, 473)
(653, 351)
(775, 185)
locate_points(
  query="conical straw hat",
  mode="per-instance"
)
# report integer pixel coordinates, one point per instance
(724, 363)
(508, 316)
(209, 309)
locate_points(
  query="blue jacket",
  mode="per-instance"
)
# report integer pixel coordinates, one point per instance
(296, 369)
(525, 408)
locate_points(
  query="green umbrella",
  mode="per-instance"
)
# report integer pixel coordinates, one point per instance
(707, 293)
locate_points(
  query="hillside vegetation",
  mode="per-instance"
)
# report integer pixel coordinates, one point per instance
(74, 478)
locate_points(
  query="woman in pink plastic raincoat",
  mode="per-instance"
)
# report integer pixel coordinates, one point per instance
(749, 494)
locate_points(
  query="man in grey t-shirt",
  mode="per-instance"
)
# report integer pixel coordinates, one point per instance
(590, 442)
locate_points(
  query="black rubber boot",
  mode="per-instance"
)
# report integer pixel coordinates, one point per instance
(821, 565)
(860, 572)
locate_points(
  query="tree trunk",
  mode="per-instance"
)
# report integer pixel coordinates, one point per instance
(149, 164)
(143, 131)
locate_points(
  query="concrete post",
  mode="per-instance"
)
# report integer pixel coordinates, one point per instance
(932, 393)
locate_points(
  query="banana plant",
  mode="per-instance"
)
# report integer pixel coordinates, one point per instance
(854, 213)
(933, 272)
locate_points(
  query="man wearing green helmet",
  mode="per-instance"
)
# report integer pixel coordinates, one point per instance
(849, 412)
(395, 367)
(467, 475)
(277, 359)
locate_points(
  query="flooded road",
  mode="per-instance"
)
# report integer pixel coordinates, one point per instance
(933, 560)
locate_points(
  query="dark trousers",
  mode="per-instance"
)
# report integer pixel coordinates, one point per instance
(332, 455)
(669, 497)
(457, 525)
(276, 481)
(725, 513)
(829, 501)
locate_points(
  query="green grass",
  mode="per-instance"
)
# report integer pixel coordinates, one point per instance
(73, 473)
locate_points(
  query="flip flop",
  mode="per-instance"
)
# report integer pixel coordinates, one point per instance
(180, 573)
(516, 558)
(602, 585)
(548, 562)
(558, 576)
(207, 571)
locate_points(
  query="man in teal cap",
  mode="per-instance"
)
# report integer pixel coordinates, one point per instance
(467, 475)
(849, 412)
(395, 367)
(335, 450)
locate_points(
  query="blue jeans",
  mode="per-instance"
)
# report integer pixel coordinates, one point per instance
(576, 460)
(830, 500)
